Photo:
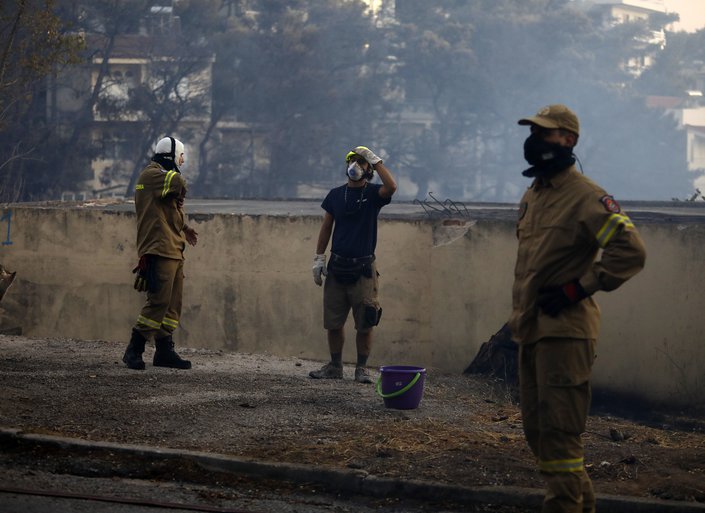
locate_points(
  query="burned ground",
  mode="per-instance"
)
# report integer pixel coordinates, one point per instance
(467, 430)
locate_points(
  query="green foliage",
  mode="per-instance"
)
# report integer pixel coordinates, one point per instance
(438, 90)
(677, 67)
(486, 64)
(156, 100)
(34, 44)
(309, 73)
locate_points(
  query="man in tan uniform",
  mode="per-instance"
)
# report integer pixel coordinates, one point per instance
(161, 238)
(565, 219)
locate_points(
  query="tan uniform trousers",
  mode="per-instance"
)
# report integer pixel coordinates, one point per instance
(554, 376)
(161, 312)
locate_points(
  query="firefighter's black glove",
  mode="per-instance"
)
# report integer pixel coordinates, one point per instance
(146, 278)
(552, 300)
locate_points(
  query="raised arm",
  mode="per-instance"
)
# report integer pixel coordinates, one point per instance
(389, 186)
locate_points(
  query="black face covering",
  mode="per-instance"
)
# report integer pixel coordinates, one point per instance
(546, 158)
(166, 162)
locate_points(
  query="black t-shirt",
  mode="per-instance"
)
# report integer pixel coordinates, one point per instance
(355, 212)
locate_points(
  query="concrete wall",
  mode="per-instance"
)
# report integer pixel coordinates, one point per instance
(445, 289)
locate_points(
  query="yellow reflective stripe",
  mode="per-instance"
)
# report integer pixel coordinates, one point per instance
(610, 228)
(167, 182)
(573, 465)
(148, 322)
(173, 323)
(139, 187)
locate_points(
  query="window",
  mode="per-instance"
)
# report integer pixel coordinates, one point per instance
(114, 147)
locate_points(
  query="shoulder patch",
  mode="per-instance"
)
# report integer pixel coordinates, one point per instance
(610, 204)
(522, 210)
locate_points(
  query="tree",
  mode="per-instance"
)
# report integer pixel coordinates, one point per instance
(164, 92)
(34, 44)
(310, 74)
(436, 64)
(439, 90)
(676, 69)
(489, 62)
(470, 66)
(104, 23)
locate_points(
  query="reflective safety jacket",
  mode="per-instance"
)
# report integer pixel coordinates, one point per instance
(160, 220)
(563, 223)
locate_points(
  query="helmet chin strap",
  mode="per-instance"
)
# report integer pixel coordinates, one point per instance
(173, 148)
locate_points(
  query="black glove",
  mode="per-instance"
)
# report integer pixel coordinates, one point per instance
(146, 279)
(552, 300)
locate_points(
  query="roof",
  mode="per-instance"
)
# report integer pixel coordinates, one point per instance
(138, 46)
(647, 5)
(663, 102)
(700, 130)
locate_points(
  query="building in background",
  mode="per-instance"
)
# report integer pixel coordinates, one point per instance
(689, 108)
(138, 86)
(141, 86)
(651, 13)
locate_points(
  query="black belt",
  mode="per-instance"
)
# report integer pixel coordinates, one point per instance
(359, 260)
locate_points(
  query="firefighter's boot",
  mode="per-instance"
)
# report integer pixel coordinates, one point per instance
(165, 356)
(133, 353)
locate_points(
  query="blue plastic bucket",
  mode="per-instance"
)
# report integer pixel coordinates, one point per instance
(401, 386)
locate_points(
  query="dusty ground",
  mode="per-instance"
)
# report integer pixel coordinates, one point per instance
(466, 431)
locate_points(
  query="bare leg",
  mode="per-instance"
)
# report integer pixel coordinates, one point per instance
(364, 343)
(336, 339)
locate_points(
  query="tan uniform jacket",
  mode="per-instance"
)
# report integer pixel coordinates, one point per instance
(562, 226)
(160, 222)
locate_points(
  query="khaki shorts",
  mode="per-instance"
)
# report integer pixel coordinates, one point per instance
(361, 297)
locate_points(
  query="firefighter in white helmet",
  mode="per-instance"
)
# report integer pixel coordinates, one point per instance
(162, 234)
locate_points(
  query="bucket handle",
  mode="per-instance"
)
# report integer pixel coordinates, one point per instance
(399, 392)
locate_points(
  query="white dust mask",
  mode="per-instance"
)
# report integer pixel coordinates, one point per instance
(355, 172)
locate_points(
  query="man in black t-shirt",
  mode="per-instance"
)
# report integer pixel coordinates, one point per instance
(351, 275)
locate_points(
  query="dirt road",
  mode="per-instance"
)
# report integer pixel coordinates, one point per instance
(467, 431)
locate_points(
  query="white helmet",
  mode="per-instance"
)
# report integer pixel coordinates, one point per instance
(170, 147)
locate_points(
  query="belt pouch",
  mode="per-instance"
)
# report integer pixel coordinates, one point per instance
(345, 272)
